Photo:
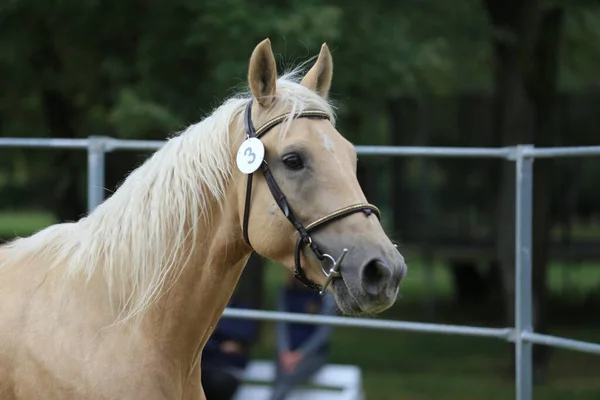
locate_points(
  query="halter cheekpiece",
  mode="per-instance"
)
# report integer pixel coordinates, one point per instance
(304, 238)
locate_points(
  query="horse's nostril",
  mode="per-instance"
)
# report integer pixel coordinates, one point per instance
(373, 272)
(375, 275)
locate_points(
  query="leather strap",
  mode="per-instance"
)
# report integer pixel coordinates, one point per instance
(304, 238)
(275, 190)
(366, 208)
(247, 209)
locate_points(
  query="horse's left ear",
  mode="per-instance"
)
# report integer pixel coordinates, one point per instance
(319, 77)
(262, 73)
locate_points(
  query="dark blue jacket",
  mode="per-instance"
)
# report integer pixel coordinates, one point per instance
(305, 338)
(241, 330)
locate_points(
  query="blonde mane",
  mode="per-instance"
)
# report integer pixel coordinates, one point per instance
(140, 239)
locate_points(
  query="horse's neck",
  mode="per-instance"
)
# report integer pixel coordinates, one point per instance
(183, 319)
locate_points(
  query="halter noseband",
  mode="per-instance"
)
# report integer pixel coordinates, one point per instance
(304, 238)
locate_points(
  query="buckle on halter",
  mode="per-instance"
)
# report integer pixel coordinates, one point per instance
(334, 272)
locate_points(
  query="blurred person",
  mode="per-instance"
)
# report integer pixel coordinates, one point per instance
(227, 353)
(302, 349)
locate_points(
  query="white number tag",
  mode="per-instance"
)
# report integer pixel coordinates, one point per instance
(250, 155)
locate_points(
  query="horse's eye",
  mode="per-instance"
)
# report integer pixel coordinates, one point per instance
(293, 161)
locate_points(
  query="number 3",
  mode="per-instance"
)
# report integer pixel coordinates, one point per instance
(249, 153)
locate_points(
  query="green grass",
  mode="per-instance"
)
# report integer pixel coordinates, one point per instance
(424, 366)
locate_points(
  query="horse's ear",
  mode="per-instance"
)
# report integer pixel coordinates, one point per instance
(262, 73)
(319, 77)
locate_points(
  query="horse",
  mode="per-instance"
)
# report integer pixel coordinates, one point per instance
(119, 304)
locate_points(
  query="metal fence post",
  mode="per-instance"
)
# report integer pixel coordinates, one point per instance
(96, 151)
(523, 285)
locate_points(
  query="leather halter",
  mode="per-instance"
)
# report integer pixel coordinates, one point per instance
(304, 238)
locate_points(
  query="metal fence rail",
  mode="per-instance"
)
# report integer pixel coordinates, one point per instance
(523, 155)
(499, 333)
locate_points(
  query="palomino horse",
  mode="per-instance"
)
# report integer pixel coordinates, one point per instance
(119, 304)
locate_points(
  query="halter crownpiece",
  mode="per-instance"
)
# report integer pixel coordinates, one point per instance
(304, 238)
